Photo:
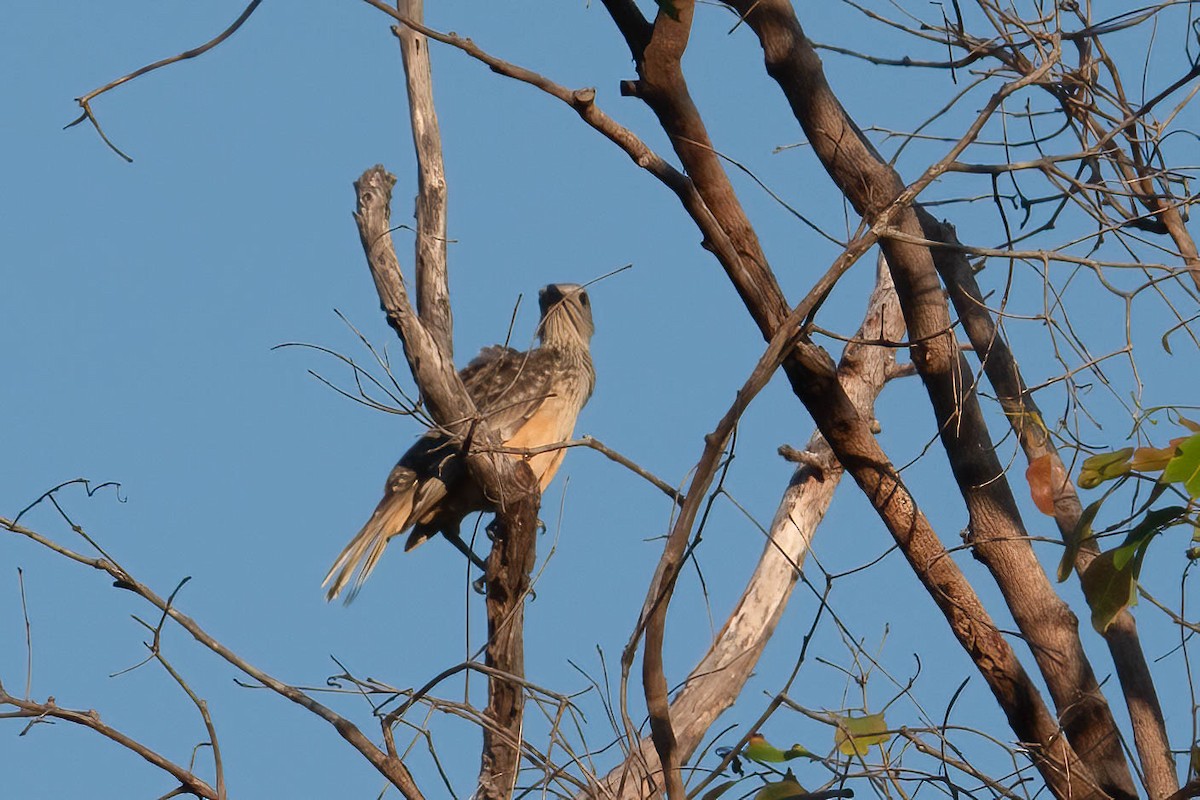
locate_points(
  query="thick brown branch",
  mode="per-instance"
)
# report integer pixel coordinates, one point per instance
(1028, 423)
(996, 529)
(813, 378)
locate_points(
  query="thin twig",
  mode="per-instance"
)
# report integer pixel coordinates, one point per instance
(85, 102)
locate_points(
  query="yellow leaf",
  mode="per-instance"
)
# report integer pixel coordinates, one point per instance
(1075, 539)
(856, 735)
(1108, 589)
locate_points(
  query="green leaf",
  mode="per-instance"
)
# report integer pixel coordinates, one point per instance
(1123, 556)
(1151, 525)
(1082, 532)
(1109, 590)
(1185, 466)
(856, 735)
(800, 751)
(787, 788)
(1104, 467)
(1110, 581)
(1108, 463)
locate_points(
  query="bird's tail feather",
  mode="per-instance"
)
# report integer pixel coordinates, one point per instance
(362, 554)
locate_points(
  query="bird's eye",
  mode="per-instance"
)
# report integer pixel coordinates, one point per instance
(583, 299)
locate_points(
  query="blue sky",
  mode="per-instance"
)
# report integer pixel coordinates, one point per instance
(143, 301)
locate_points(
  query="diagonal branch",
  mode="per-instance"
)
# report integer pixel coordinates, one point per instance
(390, 767)
(1027, 422)
(85, 102)
(813, 379)
(652, 622)
(719, 677)
(35, 712)
(812, 376)
(996, 529)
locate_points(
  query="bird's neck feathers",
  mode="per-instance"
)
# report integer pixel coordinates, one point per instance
(566, 338)
(565, 329)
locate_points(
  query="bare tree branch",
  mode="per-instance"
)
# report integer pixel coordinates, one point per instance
(996, 530)
(662, 86)
(35, 712)
(85, 102)
(719, 677)
(433, 288)
(1028, 422)
(509, 484)
(390, 767)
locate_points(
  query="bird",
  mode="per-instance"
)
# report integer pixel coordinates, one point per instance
(531, 399)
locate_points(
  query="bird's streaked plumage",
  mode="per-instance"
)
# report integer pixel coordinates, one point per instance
(531, 399)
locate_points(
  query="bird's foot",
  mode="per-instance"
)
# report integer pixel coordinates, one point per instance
(493, 526)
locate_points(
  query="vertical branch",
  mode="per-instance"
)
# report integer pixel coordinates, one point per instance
(508, 585)
(508, 581)
(432, 283)
(509, 484)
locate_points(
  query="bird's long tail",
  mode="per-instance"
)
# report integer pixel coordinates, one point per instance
(393, 515)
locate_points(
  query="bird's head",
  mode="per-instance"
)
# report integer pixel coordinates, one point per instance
(566, 315)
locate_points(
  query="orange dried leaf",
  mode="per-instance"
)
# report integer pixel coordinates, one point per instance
(1046, 478)
(1151, 459)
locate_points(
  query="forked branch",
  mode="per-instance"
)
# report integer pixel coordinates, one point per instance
(510, 483)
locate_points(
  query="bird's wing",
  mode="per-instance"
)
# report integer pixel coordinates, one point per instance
(509, 386)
